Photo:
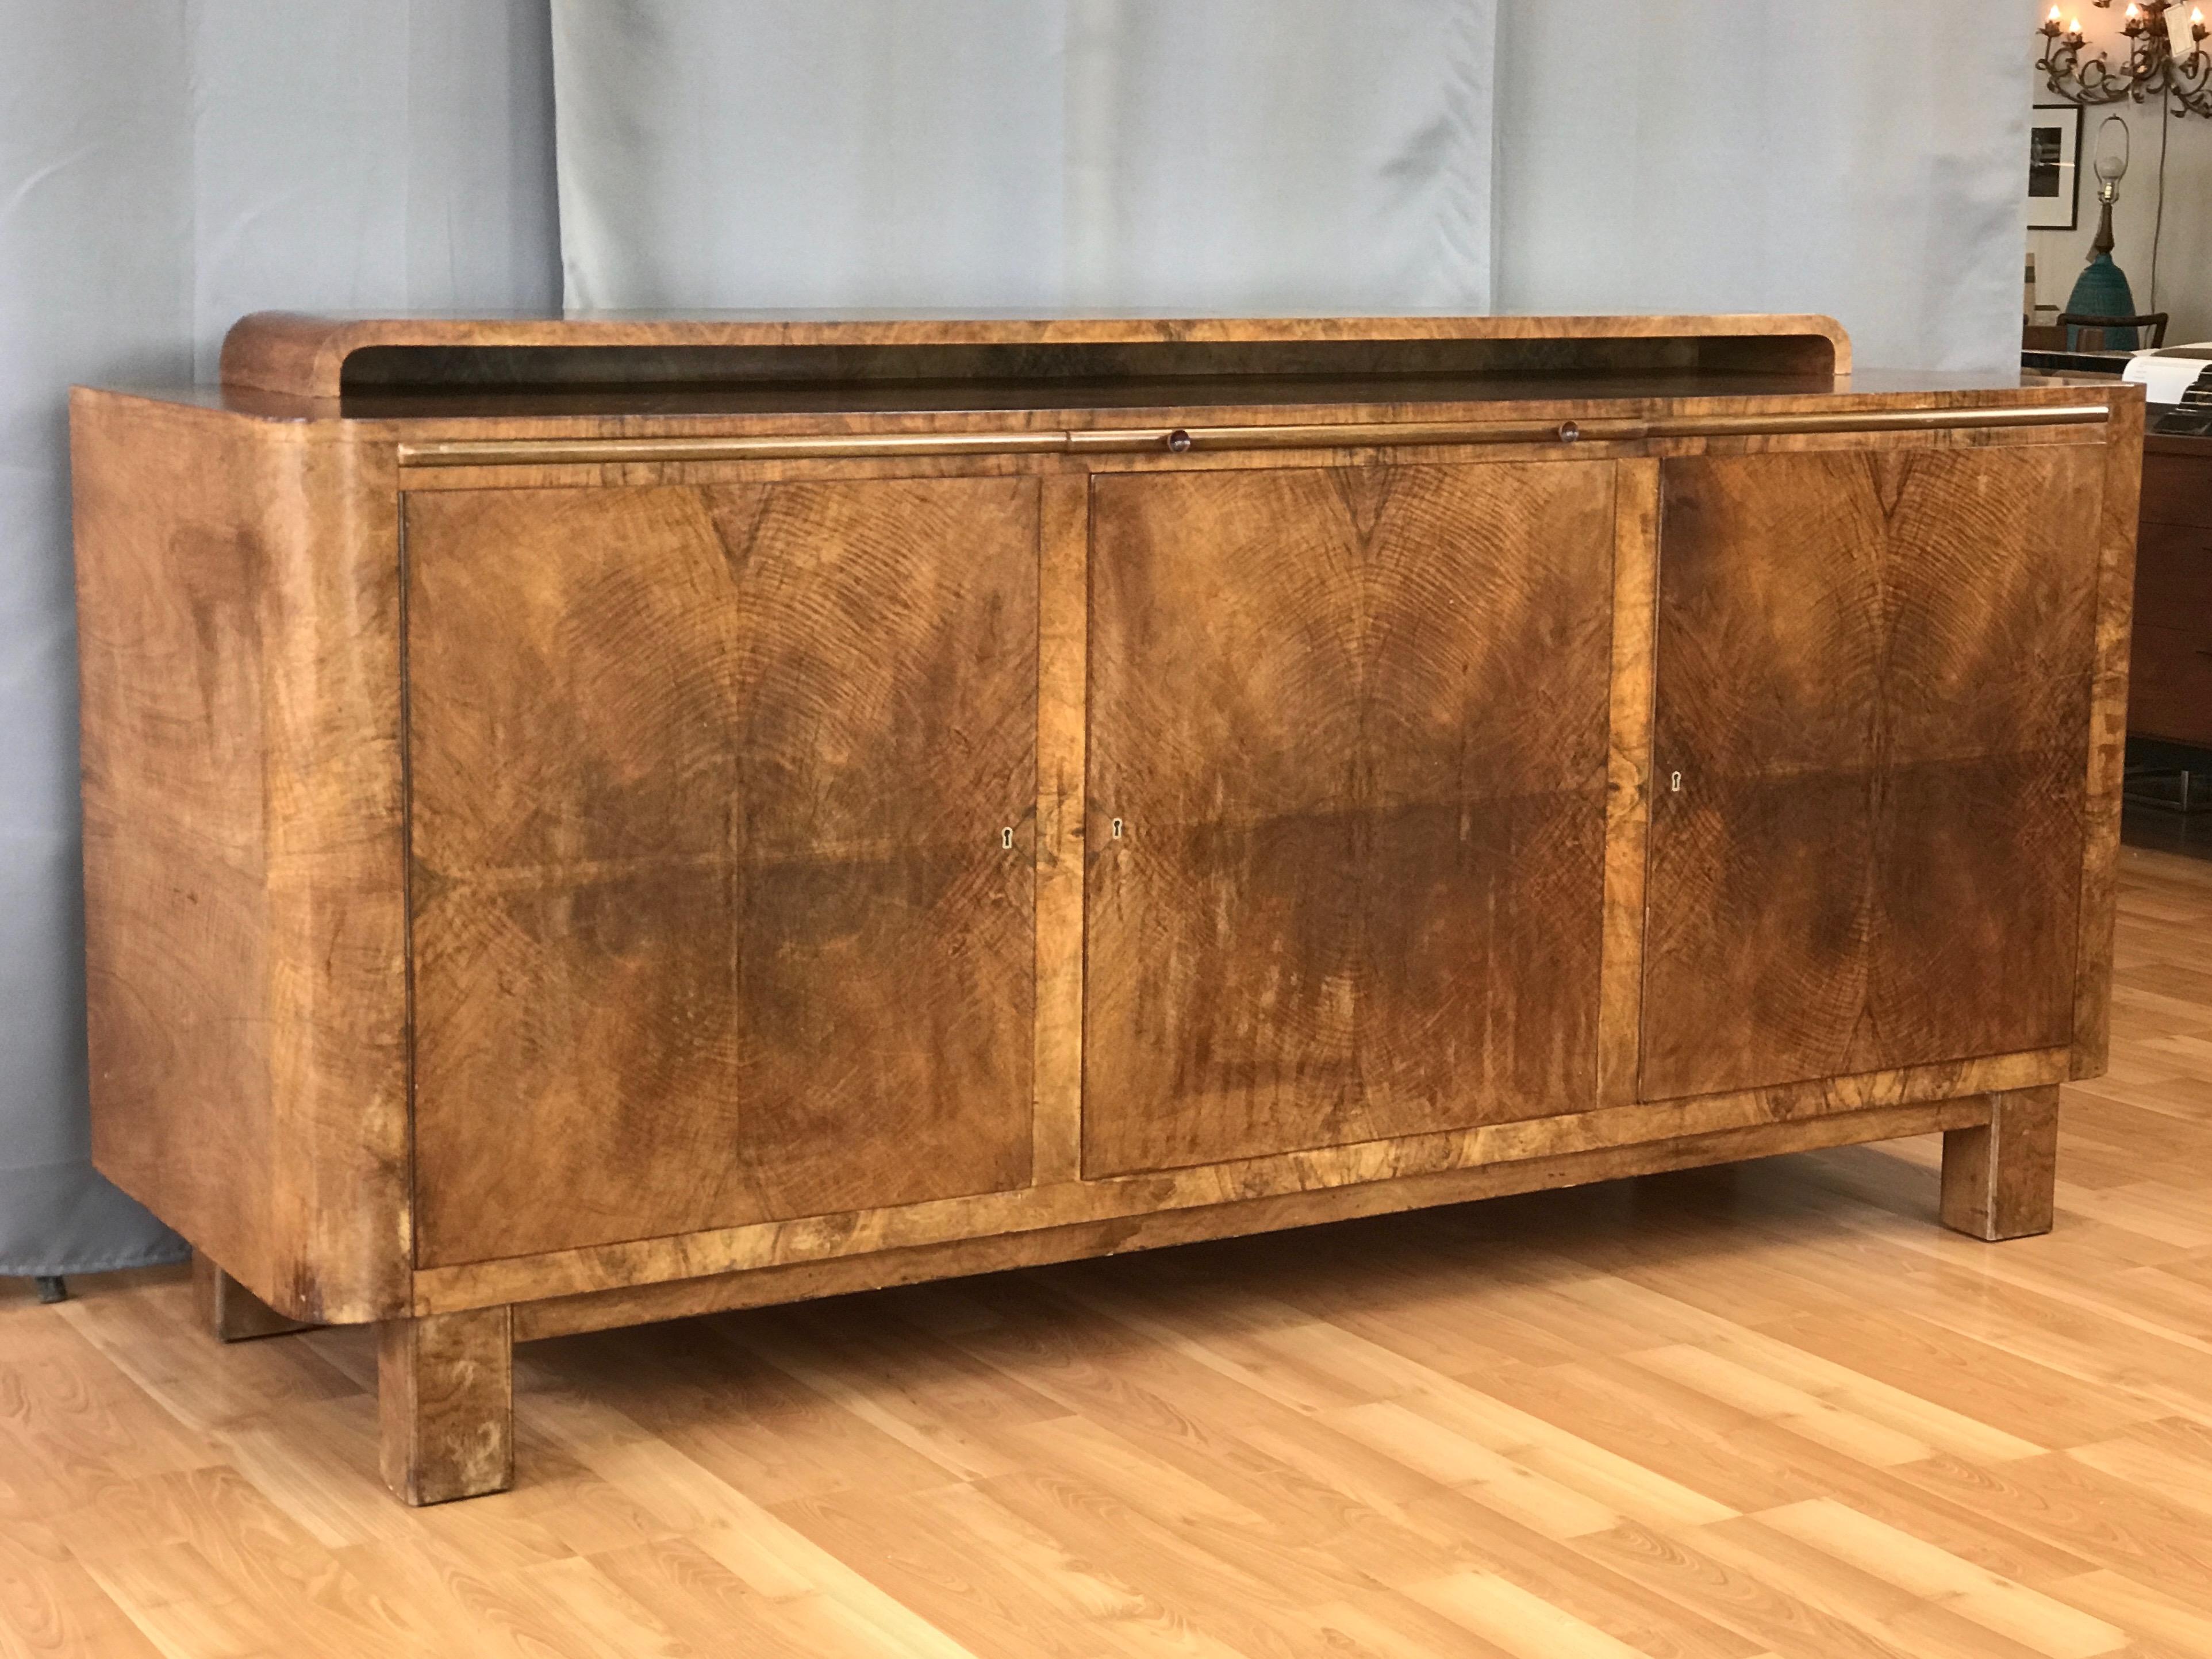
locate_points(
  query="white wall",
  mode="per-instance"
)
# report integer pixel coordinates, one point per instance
(1863, 158)
(2184, 267)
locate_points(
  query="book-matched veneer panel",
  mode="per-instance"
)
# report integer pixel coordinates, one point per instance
(715, 917)
(1872, 710)
(1352, 722)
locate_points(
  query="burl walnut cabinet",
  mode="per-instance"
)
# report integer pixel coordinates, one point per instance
(591, 821)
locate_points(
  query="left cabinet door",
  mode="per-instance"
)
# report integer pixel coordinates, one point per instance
(715, 917)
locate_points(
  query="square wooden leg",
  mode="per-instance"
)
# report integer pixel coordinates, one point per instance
(1999, 1179)
(445, 1388)
(231, 1311)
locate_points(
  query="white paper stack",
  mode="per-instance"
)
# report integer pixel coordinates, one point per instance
(2164, 374)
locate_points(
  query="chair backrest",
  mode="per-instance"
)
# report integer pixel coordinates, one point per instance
(2153, 322)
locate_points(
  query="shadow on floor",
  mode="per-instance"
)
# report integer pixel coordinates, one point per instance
(2165, 830)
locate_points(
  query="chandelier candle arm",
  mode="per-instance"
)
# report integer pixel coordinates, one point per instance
(2155, 67)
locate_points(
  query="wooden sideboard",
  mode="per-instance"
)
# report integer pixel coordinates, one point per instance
(2170, 678)
(598, 820)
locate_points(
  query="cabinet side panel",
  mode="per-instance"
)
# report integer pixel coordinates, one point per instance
(244, 940)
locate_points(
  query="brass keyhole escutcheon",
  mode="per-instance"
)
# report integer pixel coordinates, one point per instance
(1117, 828)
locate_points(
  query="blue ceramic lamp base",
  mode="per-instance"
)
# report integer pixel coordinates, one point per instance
(2102, 290)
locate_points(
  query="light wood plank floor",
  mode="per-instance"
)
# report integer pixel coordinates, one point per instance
(1769, 1410)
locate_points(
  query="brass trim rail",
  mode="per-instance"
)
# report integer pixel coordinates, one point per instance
(1360, 435)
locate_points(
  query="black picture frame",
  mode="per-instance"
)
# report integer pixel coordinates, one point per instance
(2054, 168)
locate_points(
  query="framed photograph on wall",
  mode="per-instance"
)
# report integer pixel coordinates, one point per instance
(2054, 143)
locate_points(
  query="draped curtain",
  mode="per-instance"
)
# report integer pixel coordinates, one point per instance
(165, 165)
(1065, 156)
(1861, 158)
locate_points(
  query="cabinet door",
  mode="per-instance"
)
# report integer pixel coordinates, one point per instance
(1352, 724)
(2170, 662)
(713, 918)
(1870, 749)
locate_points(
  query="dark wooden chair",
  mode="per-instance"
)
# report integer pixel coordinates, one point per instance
(2153, 324)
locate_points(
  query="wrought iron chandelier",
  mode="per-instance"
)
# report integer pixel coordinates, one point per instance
(2156, 68)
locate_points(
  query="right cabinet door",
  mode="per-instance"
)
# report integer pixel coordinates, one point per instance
(1870, 759)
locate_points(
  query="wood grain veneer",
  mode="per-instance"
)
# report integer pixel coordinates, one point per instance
(445, 1394)
(712, 791)
(1628, 777)
(231, 1313)
(1998, 1175)
(1182, 439)
(557, 856)
(238, 642)
(588, 1310)
(288, 352)
(1384, 920)
(1872, 778)
(2108, 740)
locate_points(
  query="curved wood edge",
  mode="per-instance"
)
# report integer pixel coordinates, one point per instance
(244, 844)
(304, 354)
(286, 351)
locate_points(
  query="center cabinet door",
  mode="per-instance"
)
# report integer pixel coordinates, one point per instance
(715, 917)
(1351, 723)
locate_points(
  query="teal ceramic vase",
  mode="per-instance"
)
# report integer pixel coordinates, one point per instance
(2102, 291)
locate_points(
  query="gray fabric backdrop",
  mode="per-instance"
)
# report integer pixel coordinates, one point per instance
(1062, 155)
(1858, 157)
(165, 165)
(1861, 158)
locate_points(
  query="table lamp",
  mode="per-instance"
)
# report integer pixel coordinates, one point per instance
(2102, 288)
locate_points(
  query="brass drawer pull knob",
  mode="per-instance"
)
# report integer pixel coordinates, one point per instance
(1179, 440)
(1570, 431)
